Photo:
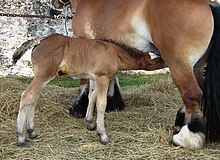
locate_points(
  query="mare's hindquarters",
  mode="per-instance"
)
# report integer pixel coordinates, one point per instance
(182, 35)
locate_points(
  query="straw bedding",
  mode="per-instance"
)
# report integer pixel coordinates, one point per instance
(141, 131)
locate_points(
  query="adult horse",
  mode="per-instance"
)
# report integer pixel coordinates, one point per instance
(184, 33)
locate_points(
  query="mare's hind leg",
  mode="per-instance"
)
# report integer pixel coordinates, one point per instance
(102, 89)
(180, 120)
(26, 112)
(192, 134)
(198, 70)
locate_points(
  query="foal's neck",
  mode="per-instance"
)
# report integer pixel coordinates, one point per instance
(128, 62)
(143, 62)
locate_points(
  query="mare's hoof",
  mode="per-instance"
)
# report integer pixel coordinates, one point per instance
(187, 139)
(76, 113)
(176, 129)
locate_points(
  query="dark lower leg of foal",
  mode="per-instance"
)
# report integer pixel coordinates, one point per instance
(30, 121)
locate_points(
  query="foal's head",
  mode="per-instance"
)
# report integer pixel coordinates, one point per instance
(56, 6)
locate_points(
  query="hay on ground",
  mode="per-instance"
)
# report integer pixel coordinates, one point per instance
(141, 131)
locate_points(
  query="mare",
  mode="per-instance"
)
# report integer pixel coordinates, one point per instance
(185, 34)
(60, 55)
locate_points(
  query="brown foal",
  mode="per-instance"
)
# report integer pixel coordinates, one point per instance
(96, 60)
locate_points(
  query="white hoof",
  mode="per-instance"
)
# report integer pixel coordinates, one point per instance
(104, 138)
(187, 139)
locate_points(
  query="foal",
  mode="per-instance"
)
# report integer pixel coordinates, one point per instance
(96, 60)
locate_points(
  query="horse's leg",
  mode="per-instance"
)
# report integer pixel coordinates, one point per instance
(30, 120)
(180, 120)
(90, 109)
(79, 108)
(26, 111)
(192, 134)
(114, 98)
(182, 43)
(102, 89)
(110, 94)
(198, 72)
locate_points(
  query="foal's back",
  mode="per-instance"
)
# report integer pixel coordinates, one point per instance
(49, 47)
(82, 57)
(96, 56)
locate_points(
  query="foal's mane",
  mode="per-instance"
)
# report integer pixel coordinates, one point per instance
(137, 54)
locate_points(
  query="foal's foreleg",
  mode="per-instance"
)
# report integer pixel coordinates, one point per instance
(92, 101)
(102, 89)
(26, 111)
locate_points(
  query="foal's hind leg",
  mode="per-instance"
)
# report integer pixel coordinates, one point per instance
(26, 111)
(30, 120)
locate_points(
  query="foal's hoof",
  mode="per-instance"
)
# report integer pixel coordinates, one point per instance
(22, 144)
(91, 127)
(104, 142)
(32, 134)
(21, 140)
(104, 138)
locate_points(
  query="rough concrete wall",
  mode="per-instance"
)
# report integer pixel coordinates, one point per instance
(15, 30)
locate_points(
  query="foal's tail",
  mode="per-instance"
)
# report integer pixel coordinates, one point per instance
(211, 91)
(23, 48)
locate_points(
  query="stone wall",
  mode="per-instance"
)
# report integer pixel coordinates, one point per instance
(16, 30)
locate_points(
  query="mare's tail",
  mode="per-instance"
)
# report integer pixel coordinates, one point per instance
(211, 93)
(23, 48)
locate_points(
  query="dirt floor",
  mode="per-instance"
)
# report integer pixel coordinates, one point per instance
(141, 131)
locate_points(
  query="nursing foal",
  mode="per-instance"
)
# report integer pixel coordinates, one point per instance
(96, 60)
